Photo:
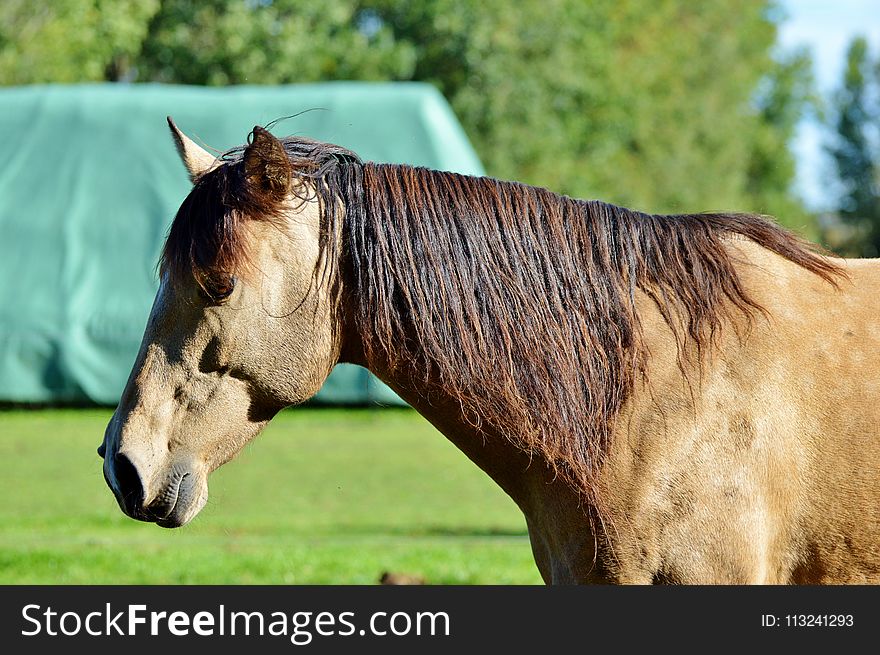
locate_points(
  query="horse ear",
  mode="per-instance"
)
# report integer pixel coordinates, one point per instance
(266, 165)
(197, 160)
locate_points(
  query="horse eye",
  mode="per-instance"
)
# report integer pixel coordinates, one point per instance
(220, 289)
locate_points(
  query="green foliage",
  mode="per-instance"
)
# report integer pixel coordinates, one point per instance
(650, 105)
(781, 99)
(661, 105)
(856, 150)
(70, 40)
(219, 42)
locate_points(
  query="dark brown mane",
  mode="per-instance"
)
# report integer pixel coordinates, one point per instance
(518, 302)
(207, 236)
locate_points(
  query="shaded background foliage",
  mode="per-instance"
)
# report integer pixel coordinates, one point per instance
(663, 106)
(856, 153)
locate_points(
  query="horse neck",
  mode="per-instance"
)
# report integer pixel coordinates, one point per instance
(514, 470)
(525, 478)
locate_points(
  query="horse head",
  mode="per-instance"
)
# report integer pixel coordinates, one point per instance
(242, 325)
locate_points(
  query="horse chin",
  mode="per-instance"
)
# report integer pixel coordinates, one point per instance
(181, 501)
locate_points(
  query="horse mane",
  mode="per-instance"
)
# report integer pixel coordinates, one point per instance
(517, 302)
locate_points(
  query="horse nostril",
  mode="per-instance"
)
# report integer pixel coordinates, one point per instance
(128, 481)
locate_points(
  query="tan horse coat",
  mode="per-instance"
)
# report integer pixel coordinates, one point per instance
(764, 469)
(757, 461)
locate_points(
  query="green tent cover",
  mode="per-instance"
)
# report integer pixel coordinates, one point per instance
(91, 182)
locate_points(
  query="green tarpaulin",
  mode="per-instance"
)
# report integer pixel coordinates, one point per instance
(90, 182)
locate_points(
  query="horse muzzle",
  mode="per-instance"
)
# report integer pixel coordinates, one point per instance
(170, 499)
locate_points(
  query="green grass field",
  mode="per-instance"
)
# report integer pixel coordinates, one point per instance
(321, 497)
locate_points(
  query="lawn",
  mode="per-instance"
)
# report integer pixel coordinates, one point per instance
(323, 496)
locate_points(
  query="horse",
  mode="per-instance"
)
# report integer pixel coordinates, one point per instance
(688, 398)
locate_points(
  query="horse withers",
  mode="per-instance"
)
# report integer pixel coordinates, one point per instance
(679, 399)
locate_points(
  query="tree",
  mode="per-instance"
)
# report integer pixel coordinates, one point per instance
(218, 42)
(782, 97)
(70, 40)
(855, 150)
(665, 106)
(658, 105)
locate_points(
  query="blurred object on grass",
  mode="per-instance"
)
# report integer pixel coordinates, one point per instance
(397, 578)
